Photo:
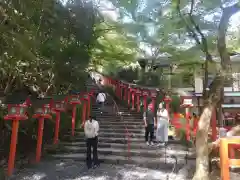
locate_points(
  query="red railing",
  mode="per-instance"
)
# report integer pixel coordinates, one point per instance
(127, 134)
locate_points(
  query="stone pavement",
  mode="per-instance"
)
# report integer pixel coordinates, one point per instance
(75, 170)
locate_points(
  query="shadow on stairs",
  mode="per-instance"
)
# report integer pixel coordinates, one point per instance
(147, 162)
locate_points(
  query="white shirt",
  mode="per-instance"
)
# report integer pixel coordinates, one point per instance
(101, 97)
(91, 128)
(163, 114)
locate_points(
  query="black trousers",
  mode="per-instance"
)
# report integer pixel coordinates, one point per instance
(92, 143)
(149, 130)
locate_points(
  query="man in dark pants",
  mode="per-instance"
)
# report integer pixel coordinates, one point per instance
(91, 129)
(149, 123)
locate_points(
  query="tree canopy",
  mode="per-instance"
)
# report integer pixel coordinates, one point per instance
(45, 45)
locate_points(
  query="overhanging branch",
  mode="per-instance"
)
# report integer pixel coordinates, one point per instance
(227, 13)
(191, 31)
(204, 43)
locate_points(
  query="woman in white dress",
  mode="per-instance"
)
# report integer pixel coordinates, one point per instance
(162, 124)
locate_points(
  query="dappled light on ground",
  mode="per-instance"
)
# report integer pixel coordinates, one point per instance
(73, 170)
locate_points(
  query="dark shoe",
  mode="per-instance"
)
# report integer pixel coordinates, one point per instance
(96, 166)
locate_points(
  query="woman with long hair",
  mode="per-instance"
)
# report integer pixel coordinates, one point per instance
(162, 124)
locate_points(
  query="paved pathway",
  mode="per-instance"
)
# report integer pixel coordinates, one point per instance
(73, 170)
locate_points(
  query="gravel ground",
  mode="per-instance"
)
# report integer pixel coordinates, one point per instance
(73, 170)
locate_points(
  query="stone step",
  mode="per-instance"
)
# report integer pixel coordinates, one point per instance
(133, 145)
(121, 160)
(123, 151)
(116, 130)
(111, 135)
(121, 126)
(112, 140)
(114, 122)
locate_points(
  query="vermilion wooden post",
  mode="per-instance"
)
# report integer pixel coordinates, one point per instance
(224, 160)
(187, 124)
(39, 139)
(40, 118)
(214, 125)
(133, 98)
(58, 106)
(57, 126)
(154, 96)
(138, 92)
(121, 88)
(145, 100)
(14, 136)
(89, 105)
(129, 93)
(84, 109)
(125, 92)
(74, 109)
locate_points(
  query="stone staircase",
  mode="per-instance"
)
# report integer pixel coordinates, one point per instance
(114, 141)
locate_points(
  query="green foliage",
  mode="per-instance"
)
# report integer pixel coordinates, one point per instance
(175, 103)
(45, 45)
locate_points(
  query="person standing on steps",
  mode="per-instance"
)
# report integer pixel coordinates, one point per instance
(101, 97)
(91, 129)
(162, 125)
(149, 123)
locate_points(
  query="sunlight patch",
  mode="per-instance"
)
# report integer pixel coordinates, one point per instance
(141, 173)
(37, 176)
(91, 177)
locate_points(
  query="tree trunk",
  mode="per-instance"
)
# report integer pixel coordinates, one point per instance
(202, 165)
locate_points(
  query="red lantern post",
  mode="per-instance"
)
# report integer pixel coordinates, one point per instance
(74, 100)
(138, 93)
(154, 96)
(58, 107)
(42, 111)
(187, 104)
(133, 97)
(16, 113)
(129, 94)
(125, 92)
(89, 97)
(121, 90)
(84, 101)
(145, 94)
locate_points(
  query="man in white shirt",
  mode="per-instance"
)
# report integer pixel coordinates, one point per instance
(91, 129)
(101, 97)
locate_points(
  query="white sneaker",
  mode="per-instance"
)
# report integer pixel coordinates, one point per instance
(151, 143)
(147, 143)
(160, 144)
